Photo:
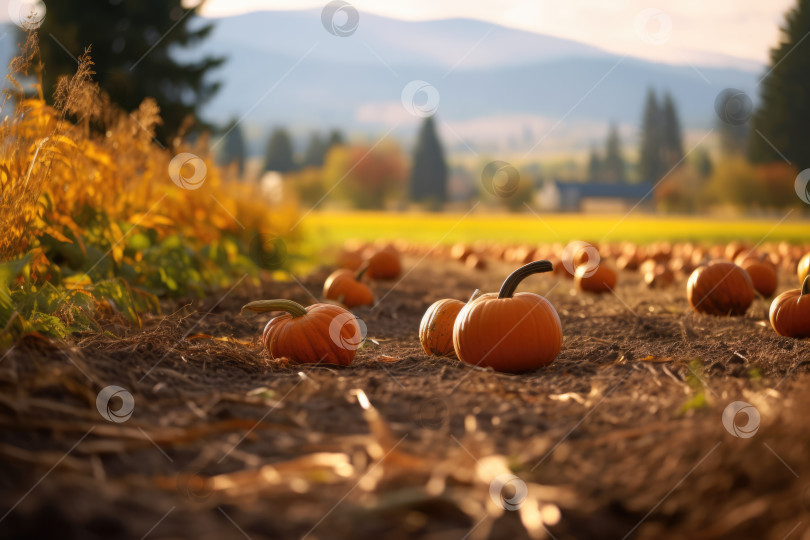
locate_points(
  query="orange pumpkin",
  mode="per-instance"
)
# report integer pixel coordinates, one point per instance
(790, 312)
(720, 288)
(318, 334)
(599, 280)
(351, 260)
(660, 275)
(762, 273)
(384, 264)
(345, 287)
(803, 269)
(509, 332)
(436, 328)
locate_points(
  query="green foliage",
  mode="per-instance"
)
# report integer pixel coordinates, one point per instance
(613, 169)
(133, 44)
(429, 172)
(784, 111)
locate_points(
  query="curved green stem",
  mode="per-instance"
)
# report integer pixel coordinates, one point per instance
(361, 271)
(806, 285)
(260, 306)
(511, 283)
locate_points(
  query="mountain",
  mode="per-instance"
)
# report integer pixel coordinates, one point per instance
(497, 86)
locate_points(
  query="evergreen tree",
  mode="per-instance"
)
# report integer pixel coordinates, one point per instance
(671, 134)
(784, 112)
(133, 48)
(335, 139)
(594, 165)
(613, 168)
(315, 152)
(429, 172)
(233, 148)
(650, 165)
(733, 137)
(279, 155)
(703, 163)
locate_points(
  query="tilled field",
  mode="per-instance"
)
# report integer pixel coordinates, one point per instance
(621, 437)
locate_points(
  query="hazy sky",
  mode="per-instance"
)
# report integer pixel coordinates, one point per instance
(675, 31)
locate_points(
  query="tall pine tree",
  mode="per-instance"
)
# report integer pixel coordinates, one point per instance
(279, 155)
(783, 116)
(233, 149)
(133, 42)
(613, 167)
(429, 172)
(671, 134)
(650, 166)
(594, 165)
(315, 152)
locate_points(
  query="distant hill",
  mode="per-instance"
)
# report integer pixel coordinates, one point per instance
(499, 88)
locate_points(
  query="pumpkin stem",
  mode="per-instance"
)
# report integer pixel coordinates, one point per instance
(293, 308)
(476, 293)
(361, 271)
(511, 283)
(806, 286)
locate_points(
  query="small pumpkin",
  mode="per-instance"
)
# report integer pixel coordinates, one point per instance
(436, 327)
(660, 275)
(720, 288)
(384, 264)
(345, 287)
(599, 280)
(790, 312)
(803, 269)
(509, 332)
(762, 273)
(318, 334)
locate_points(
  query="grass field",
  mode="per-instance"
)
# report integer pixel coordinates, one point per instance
(331, 228)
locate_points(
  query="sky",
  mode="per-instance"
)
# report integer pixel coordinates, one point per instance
(707, 32)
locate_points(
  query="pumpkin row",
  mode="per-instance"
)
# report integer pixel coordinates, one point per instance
(478, 331)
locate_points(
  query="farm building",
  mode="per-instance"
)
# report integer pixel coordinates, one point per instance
(593, 197)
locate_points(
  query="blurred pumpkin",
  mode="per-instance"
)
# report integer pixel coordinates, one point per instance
(509, 332)
(803, 269)
(720, 288)
(599, 280)
(762, 273)
(658, 276)
(345, 287)
(318, 334)
(790, 312)
(384, 264)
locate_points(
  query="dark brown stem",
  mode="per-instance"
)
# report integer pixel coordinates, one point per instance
(806, 285)
(514, 279)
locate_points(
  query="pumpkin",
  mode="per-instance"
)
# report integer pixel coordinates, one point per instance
(509, 332)
(790, 312)
(318, 334)
(351, 260)
(762, 273)
(384, 264)
(436, 327)
(720, 288)
(345, 287)
(476, 262)
(599, 280)
(660, 275)
(803, 269)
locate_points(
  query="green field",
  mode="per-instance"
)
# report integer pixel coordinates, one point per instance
(332, 228)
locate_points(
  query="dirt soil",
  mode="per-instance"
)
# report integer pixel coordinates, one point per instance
(621, 437)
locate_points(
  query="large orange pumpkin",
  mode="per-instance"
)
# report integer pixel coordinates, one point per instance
(599, 280)
(720, 288)
(436, 327)
(790, 312)
(762, 273)
(318, 334)
(384, 264)
(345, 287)
(803, 269)
(507, 331)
